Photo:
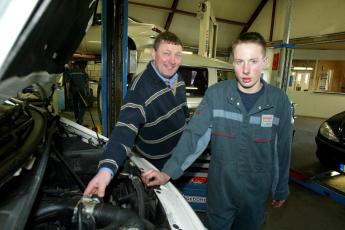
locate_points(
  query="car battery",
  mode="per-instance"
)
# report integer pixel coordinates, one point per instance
(193, 183)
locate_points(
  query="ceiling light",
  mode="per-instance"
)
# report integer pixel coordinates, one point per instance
(302, 68)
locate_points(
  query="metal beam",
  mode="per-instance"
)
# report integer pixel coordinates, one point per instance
(94, 20)
(254, 16)
(171, 15)
(272, 19)
(186, 13)
(320, 39)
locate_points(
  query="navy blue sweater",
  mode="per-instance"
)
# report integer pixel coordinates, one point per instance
(151, 120)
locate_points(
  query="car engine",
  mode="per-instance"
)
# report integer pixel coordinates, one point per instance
(43, 172)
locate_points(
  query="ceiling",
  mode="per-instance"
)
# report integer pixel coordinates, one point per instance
(309, 30)
(181, 18)
(234, 17)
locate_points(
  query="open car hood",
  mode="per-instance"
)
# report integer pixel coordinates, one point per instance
(41, 36)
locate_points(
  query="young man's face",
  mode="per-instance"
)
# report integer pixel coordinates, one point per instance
(249, 61)
(167, 58)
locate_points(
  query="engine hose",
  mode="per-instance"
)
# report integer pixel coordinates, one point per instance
(114, 217)
(106, 215)
(48, 211)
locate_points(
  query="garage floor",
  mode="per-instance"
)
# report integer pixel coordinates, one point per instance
(304, 209)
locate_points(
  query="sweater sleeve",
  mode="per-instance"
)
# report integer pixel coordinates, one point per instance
(193, 141)
(284, 135)
(132, 116)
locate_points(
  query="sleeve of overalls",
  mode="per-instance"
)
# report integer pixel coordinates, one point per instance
(193, 141)
(132, 116)
(284, 149)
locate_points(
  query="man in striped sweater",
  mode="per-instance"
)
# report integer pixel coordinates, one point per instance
(152, 117)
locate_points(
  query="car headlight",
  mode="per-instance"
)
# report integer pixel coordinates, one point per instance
(327, 132)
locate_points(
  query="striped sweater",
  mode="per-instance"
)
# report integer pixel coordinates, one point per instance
(151, 120)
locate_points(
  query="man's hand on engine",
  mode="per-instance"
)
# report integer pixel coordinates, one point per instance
(98, 184)
(154, 177)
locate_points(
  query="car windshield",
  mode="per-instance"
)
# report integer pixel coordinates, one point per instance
(223, 75)
(196, 80)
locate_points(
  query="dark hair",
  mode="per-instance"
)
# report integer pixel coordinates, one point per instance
(167, 37)
(250, 37)
(81, 64)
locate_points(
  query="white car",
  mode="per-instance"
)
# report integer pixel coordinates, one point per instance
(198, 73)
(140, 36)
(45, 160)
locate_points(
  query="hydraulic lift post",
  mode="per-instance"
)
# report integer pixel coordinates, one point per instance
(114, 60)
(208, 30)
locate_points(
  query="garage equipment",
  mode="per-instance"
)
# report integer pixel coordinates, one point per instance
(114, 60)
(326, 184)
(208, 30)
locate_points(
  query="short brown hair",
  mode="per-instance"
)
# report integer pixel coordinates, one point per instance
(167, 37)
(250, 37)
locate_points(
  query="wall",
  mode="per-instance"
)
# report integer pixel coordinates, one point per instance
(94, 70)
(338, 70)
(316, 104)
(323, 105)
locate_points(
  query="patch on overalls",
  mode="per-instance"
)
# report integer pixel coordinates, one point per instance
(266, 120)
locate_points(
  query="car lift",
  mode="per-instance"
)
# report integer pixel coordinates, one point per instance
(114, 60)
(316, 184)
(208, 34)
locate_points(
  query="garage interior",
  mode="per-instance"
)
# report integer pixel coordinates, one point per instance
(313, 32)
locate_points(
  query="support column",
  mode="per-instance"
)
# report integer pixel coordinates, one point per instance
(114, 60)
(208, 30)
(286, 52)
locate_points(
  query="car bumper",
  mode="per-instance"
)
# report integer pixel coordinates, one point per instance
(334, 152)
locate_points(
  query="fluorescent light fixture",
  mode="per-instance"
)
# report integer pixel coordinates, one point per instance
(191, 87)
(187, 52)
(94, 41)
(302, 68)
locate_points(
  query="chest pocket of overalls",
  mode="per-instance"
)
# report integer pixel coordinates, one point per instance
(263, 127)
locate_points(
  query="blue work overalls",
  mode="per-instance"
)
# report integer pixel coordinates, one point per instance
(250, 153)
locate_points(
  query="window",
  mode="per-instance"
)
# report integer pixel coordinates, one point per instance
(223, 75)
(301, 78)
(196, 80)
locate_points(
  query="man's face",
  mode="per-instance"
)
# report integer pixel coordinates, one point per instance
(249, 62)
(167, 58)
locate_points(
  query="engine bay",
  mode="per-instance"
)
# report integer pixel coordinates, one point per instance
(44, 170)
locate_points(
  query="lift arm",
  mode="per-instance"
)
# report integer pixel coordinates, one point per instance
(208, 30)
